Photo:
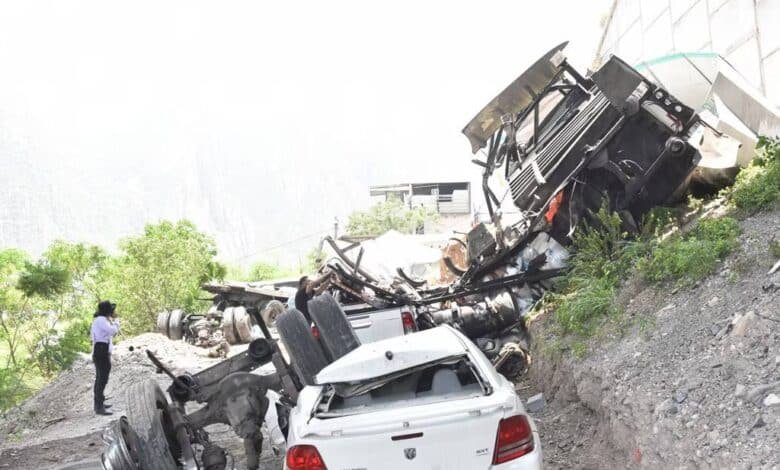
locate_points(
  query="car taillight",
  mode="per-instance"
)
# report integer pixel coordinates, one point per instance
(304, 457)
(315, 332)
(408, 321)
(514, 439)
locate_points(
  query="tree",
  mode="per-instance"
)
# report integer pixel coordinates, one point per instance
(44, 279)
(263, 271)
(160, 270)
(389, 215)
(84, 262)
(12, 303)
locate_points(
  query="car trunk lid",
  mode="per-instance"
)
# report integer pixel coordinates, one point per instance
(458, 434)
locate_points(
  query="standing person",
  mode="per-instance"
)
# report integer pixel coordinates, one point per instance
(307, 289)
(104, 327)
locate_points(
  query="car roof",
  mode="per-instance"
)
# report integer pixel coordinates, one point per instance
(392, 355)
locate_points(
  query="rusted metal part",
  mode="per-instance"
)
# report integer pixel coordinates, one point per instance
(346, 259)
(412, 282)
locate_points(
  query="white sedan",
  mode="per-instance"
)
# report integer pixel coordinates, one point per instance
(427, 400)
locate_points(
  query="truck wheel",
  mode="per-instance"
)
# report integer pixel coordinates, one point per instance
(336, 333)
(174, 325)
(147, 413)
(228, 329)
(242, 324)
(271, 311)
(162, 322)
(305, 353)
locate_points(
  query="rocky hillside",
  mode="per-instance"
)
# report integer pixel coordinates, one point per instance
(685, 378)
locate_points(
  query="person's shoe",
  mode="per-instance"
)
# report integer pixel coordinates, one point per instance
(103, 411)
(106, 406)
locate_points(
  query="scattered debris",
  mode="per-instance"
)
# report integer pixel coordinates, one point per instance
(536, 403)
(772, 400)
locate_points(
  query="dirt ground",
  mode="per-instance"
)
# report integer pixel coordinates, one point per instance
(691, 381)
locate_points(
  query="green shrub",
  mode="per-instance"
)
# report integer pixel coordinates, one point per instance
(603, 255)
(57, 352)
(685, 259)
(757, 187)
(12, 387)
(590, 301)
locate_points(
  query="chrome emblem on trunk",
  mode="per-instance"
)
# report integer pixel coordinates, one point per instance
(410, 453)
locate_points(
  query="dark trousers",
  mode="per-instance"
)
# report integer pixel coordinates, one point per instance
(102, 359)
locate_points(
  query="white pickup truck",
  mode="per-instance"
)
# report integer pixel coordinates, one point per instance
(372, 324)
(427, 400)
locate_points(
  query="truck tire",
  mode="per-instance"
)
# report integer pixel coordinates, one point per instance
(228, 329)
(175, 331)
(271, 311)
(242, 325)
(336, 334)
(162, 322)
(147, 414)
(305, 353)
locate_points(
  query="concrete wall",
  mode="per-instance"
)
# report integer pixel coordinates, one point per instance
(745, 32)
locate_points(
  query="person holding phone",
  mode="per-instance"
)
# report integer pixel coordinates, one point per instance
(104, 327)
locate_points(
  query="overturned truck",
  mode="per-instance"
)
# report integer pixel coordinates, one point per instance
(557, 145)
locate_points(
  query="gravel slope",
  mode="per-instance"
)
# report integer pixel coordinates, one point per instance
(694, 383)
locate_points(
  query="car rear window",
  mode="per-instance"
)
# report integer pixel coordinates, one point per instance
(445, 380)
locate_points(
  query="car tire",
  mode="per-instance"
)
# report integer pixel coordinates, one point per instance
(305, 353)
(175, 331)
(162, 322)
(336, 333)
(147, 415)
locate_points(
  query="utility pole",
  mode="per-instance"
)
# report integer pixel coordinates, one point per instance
(335, 228)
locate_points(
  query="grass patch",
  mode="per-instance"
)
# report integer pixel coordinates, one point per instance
(586, 307)
(686, 259)
(757, 187)
(774, 248)
(603, 257)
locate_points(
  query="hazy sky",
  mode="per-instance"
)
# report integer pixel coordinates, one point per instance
(329, 94)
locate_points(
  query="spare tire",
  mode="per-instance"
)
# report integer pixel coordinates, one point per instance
(175, 330)
(305, 353)
(336, 334)
(162, 322)
(147, 413)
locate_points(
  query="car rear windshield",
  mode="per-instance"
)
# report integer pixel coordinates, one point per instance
(451, 378)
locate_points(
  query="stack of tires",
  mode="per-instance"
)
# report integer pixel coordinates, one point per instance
(170, 324)
(308, 355)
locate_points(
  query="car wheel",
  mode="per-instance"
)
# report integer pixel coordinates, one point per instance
(147, 414)
(336, 333)
(162, 322)
(305, 353)
(174, 325)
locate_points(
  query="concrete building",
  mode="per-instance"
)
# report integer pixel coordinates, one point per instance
(744, 32)
(452, 201)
